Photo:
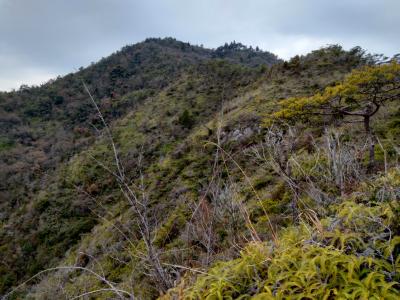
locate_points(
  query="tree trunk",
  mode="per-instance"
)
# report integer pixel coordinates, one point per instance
(371, 141)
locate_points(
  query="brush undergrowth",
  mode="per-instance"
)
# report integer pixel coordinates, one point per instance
(353, 255)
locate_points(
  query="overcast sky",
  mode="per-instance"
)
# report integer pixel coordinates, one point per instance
(40, 39)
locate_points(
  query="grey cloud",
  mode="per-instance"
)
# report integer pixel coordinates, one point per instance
(49, 37)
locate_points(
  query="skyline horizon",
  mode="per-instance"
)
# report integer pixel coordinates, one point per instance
(46, 79)
(43, 39)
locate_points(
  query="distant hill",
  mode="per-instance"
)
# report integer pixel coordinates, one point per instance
(42, 124)
(43, 127)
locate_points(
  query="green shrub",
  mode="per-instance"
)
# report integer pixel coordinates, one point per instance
(186, 119)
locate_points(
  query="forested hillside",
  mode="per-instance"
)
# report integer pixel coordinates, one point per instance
(174, 171)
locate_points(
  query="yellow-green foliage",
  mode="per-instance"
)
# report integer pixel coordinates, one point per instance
(231, 279)
(312, 272)
(385, 187)
(297, 271)
(353, 255)
(351, 94)
(171, 228)
(362, 230)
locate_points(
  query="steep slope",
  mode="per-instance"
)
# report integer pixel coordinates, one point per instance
(181, 149)
(197, 204)
(45, 124)
(42, 126)
(46, 193)
(339, 212)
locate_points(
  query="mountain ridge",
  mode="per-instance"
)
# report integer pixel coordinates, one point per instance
(169, 113)
(47, 124)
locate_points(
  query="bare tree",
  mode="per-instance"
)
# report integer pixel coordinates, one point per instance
(277, 151)
(138, 199)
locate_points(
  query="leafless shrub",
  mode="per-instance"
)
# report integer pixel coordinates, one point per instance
(222, 209)
(138, 199)
(343, 165)
(201, 229)
(277, 151)
(311, 172)
(228, 206)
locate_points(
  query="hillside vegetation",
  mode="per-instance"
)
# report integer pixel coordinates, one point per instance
(187, 173)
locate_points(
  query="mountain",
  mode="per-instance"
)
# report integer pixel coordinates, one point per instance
(45, 125)
(172, 190)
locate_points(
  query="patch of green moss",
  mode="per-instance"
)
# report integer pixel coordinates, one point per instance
(172, 227)
(6, 144)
